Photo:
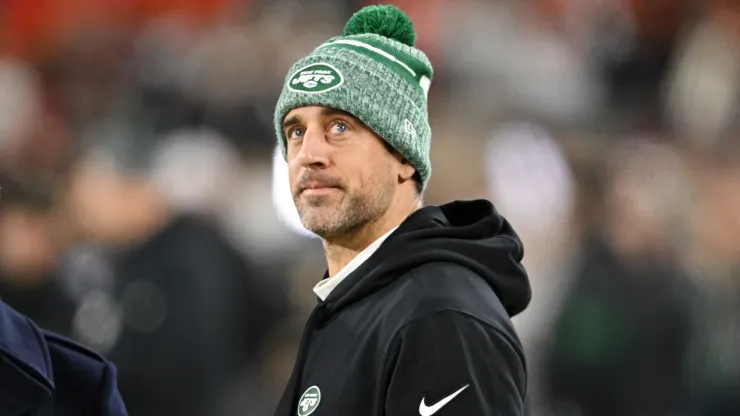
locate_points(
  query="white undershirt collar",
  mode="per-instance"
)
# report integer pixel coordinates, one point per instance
(326, 286)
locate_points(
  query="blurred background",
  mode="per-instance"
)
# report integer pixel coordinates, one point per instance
(145, 214)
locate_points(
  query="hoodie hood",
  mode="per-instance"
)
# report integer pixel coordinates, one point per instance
(469, 233)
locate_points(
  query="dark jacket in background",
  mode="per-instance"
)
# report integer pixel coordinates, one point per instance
(43, 374)
(423, 326)
(195, 314)
(619, 344)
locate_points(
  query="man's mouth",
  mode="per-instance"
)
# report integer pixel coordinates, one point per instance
(317, 185)
(319, 189)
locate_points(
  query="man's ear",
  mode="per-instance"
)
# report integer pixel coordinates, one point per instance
(407, 170)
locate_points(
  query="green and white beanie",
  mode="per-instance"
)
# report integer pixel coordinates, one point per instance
(374, 73)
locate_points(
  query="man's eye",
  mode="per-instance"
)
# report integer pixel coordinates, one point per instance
(340, 127)
(296, 133)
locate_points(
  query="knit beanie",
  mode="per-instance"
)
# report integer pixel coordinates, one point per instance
(374, 73)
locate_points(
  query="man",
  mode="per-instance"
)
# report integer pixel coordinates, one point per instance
(192, 320)
(43, 374)
(414, 311)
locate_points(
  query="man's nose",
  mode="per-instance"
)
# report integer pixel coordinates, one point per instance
(315, 150)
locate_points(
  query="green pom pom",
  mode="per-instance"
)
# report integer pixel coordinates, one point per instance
(384, 20)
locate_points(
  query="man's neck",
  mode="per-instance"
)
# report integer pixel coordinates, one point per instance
(340, 251)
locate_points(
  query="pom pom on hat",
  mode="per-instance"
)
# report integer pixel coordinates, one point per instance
(384, 20)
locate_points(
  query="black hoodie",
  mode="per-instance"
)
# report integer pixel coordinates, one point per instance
(423, 326)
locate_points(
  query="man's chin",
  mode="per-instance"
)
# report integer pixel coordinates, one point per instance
(320, 223)
(319, 199)
(321, 230)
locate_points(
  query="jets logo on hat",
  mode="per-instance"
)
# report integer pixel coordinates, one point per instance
(316, 78)
(309, 401)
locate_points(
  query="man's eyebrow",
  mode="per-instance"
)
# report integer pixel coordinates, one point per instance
(291, 121)
(328, 111)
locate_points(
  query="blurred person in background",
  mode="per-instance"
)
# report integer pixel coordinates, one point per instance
(414, 310)
(620, 341)
(527, 63)
(635, 43)
(184, 314)
(42, 372)
(711, 255)
(703, 90)
(31, 242)
(532, 182)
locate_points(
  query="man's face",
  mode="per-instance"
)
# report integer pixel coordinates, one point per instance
(342, 175)
(27, 245)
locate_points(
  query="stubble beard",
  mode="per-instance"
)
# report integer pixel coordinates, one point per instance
(341, 216)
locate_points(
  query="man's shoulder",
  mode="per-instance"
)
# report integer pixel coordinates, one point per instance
(82, 376)
(446, 287)
(51, 374)
(63, 350)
